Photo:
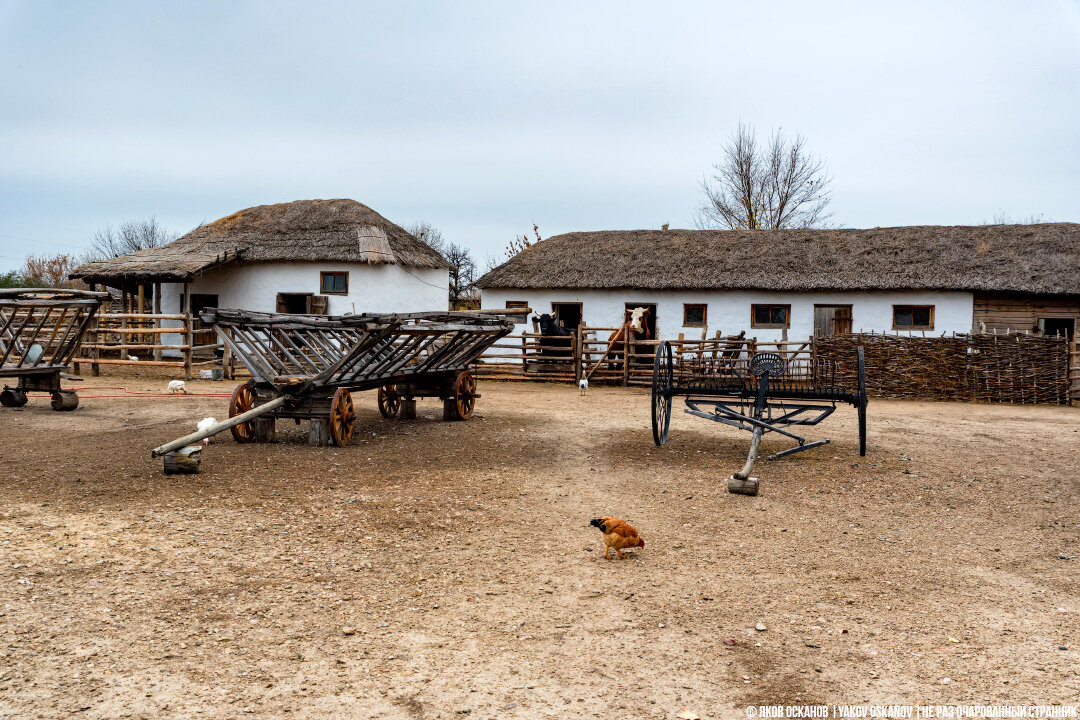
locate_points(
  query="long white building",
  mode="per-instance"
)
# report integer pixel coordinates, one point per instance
(798, 283)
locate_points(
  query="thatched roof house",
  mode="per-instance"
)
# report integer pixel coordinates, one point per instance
(308, 256)
(921, 279)
(1042, 258)
(305, 230)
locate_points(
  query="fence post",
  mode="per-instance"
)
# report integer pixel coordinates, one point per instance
(578, 370)
(187, 344)
(157, 321)
(628, 347)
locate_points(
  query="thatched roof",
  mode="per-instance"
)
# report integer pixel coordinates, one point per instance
(1042, 258)
(305, 230)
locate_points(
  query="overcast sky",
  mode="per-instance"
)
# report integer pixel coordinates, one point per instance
(482, 118)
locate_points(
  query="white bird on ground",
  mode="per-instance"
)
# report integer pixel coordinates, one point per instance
(204, 424)
(177, 387)
(583, 385)
(132, 358)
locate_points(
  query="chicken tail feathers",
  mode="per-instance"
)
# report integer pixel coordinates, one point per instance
(599, 523)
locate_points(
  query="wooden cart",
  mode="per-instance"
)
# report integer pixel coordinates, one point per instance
(305, 367)
(40, 332)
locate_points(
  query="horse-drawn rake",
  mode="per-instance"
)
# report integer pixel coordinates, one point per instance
(305, 367)
(761, 395)
(40, 332)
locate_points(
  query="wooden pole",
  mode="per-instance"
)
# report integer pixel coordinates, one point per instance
(188, 325)
(223, 425)
(157, 321)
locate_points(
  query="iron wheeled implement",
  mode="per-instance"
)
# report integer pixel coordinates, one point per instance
(305, 367)
(761, 395)
(40, 332)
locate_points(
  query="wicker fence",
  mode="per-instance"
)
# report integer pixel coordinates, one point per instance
(1012, 368)
(1009, 368)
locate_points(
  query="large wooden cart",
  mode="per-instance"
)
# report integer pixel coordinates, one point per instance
(40, 332)
(761, 394)
(305, 367)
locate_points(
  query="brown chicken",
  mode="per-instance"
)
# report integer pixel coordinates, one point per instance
(618, 534)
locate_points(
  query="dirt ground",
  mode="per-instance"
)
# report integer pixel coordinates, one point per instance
(448, 570)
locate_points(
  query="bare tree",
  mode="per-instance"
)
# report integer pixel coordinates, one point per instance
(462, 266)
(129, 237)
(754, 187)
(50, 271)
(429, 235)
(462, 276)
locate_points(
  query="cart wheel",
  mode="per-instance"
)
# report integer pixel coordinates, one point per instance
(662, 383)
(465, 395)
(389, 401)
(342, 417)
(243, 399)
(64, 400)
(12, 398)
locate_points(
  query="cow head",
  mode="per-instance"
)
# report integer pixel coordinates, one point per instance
(638, 317)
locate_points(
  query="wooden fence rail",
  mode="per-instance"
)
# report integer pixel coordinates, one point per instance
(152, 340)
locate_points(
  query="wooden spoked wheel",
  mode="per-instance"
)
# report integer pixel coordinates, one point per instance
(465, 395)
(243, 399)
(662, 382)
(389, 401)
(342, 417)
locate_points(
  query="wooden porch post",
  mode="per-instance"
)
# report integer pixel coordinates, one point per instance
(157, 321)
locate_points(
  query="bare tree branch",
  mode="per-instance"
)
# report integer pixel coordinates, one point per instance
(131, 236)
(778, 186)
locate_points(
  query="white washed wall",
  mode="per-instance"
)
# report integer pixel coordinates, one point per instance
(372, 288)
(729, 310)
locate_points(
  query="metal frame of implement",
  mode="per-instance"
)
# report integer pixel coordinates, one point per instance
(41, 329)
(304, 367)
(760, 396)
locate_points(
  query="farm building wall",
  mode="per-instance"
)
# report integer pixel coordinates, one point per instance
(1021, 313)
(371, 288)
(729, 311)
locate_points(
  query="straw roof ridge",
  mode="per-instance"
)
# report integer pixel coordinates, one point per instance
(1042, 258)
(338, 230)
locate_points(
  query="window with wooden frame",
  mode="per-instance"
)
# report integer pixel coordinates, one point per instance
(519, 305)
(913, 317)
(334, 283)
(694, 315)
(770, 316)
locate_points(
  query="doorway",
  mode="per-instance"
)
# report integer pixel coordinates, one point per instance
(650, 319)
(294, 303)
(568, 314)
(832, 320)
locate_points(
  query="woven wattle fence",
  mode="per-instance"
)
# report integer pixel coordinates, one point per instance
(1013, 368)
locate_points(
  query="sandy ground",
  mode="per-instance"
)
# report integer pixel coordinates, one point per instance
(447, 570)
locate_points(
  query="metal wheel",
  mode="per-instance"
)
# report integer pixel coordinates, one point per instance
(465, 395)
(12, 398)
(243, 399)
(389, 401)
(64, 400)
(662, 383)
(342, 417)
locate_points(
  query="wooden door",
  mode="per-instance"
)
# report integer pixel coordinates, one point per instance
(832, 320)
